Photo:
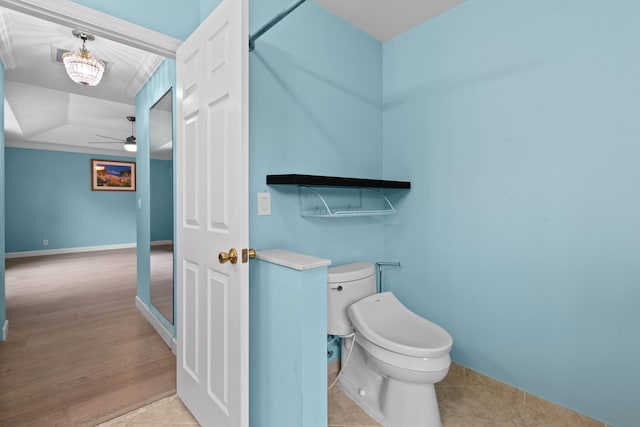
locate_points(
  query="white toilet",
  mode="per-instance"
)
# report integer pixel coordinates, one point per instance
(391, 365)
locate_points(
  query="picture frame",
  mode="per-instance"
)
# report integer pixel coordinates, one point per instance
(111, 175)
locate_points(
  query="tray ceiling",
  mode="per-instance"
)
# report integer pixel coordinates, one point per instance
(44, 108)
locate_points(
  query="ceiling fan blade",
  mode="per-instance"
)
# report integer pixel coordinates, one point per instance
(105, 142)
(110, 137)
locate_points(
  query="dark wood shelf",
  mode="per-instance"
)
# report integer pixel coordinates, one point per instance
(333, 181)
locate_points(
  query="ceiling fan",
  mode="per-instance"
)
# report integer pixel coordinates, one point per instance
(129, 142)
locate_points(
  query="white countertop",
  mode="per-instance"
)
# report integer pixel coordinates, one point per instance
(292, 260)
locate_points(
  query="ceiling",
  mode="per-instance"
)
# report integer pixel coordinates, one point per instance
(45, 109)
(385, 19)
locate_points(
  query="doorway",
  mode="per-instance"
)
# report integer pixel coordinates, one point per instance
(71, 15)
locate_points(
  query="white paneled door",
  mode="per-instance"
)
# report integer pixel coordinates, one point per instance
(212, 176)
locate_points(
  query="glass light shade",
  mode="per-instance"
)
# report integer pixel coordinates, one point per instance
(130, 146)
(83, 68)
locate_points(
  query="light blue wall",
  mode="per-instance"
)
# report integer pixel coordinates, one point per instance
(287, 312)
(177, 19)
(3, 309)
(163, 19)
(49, 197)
(161, 195)
(314, 108)
(206, 7)
(517, 123)
(162, 80)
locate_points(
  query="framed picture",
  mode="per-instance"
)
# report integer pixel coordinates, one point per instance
(109, 175)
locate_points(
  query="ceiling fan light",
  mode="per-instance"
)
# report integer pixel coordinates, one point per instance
(130, 146)
(81, 67)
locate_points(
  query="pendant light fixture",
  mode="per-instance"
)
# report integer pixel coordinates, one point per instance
(81, 67)
(130, 142)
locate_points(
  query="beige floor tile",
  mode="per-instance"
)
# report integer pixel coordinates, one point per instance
(476, 403)
(345, 412)
(559, 414)
(464, 401)
(169, 411)
(158, 424)
(456, 369)
(494, 385)
(467, 421)
(532, 418)
(453, 379)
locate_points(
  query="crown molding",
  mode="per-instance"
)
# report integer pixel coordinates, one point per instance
(70, 14)
(48, 146)
(148, 65)
(6, 42)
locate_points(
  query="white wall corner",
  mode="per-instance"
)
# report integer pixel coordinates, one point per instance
(5, 330)
(156, 324)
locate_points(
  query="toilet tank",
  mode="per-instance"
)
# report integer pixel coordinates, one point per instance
(347, 284)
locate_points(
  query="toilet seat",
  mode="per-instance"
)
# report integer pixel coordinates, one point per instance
(386, 322)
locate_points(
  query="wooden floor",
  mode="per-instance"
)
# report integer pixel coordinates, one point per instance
(78, 351)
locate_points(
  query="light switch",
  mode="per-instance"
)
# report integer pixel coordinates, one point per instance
(264, 203)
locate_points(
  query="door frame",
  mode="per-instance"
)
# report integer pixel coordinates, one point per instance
(74, 15)
(70, 14)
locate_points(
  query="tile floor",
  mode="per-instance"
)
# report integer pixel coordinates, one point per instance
(165, 412)
(466, 398)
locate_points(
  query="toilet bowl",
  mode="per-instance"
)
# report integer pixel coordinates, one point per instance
(391, 357)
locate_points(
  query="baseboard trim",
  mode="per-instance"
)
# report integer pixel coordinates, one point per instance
(161, 242)
(45, 252)
(164, 333)
(5, 330)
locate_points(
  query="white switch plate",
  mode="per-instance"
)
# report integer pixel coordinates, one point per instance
(264, 203)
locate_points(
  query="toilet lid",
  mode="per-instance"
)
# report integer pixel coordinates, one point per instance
(384, 321)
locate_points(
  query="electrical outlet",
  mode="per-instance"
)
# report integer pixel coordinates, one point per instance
(45, 243)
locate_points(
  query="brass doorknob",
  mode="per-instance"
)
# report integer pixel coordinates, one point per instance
(248, 254)
(231, 256)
